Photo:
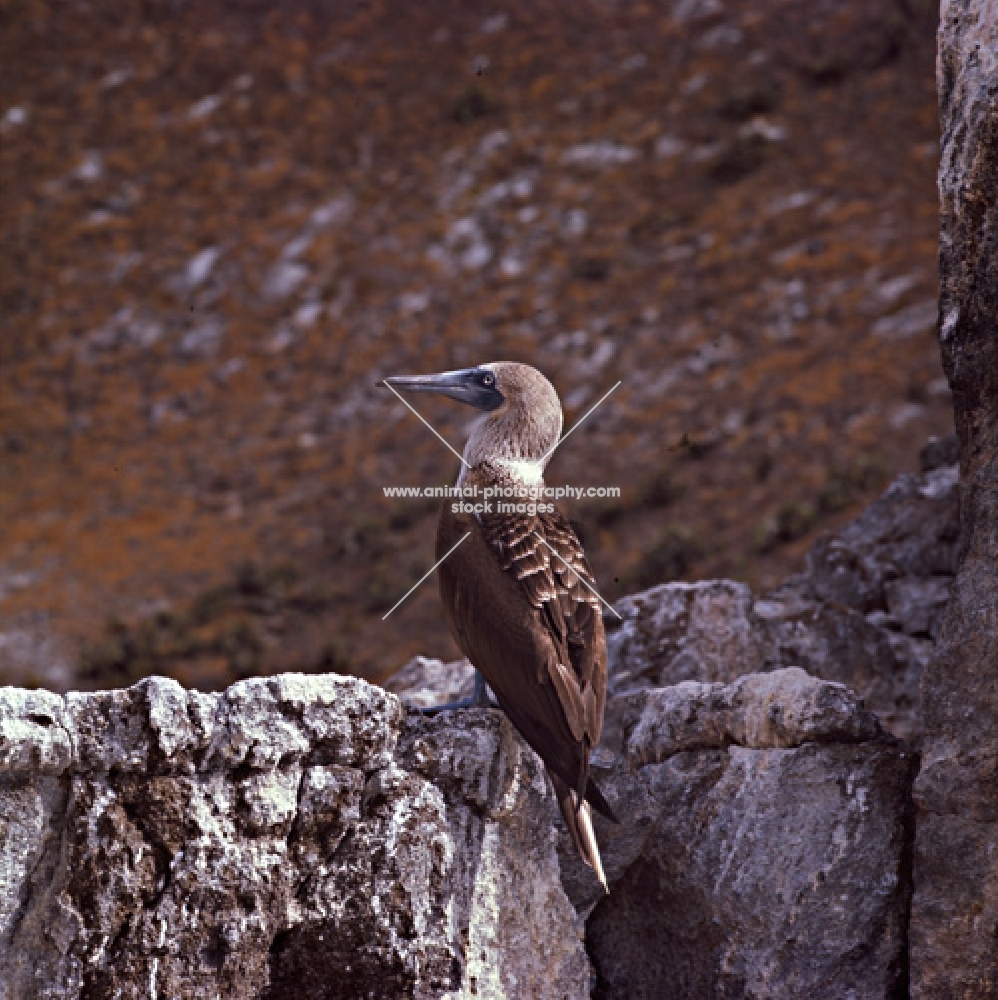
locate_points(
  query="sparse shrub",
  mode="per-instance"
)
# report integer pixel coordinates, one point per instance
(219, 626)
(837, 492)
(672, 557)
(876, 39)
(655, 223)
(591, 269)
(473, 103)
(762, 467)
(661, 489)
(250, 580)
(869, 472)
(126, 653)
(740, 157)
(842, 485)
(825, 68)
(386, 583)
(210, 603)
(107, 660)
(333, 659)
(749, 98)
(411, 512)
(695, 448)
(242, 647)
(792, 521)
(366, 534)
(606, 513)
(284, 574)
(313, 599)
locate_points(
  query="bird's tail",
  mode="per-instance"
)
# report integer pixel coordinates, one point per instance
(579, 820)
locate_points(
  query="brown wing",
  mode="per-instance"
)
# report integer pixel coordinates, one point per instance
(543, 554)
(546, 667)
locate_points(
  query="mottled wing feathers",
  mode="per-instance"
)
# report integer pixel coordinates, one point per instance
(518, 546)
(521, 614)
(543, 554)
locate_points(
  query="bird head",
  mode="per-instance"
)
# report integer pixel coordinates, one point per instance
(521, 422)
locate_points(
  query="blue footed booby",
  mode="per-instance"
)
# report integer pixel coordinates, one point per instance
(519, 593)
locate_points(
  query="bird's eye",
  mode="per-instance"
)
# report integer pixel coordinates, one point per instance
(488, 380)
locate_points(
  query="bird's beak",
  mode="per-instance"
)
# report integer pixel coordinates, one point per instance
(474, 386)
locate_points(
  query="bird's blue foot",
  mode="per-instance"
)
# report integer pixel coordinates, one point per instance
(479, 699)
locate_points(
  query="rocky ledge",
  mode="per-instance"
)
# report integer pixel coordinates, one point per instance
(291, 837)
(307, 837)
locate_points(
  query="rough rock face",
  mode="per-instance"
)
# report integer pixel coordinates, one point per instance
(302, 837)
(954, 928)
(764, 848)
(865, 613)
(292, 837)
(426, 682)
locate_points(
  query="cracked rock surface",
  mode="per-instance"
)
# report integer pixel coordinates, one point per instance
(954, 930)
(865, 613)
(291, 837)
(764, 849)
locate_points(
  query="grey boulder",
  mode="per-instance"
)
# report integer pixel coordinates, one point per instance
(764, 848)
(866, 612)
(292, 837)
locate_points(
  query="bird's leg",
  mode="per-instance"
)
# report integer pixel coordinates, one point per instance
(479, 699)
(480, 695)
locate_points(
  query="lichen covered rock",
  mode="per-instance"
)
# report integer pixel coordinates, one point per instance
(292, 837)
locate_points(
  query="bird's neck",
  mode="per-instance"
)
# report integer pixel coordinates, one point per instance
(511, 448)
(523, 471)
(507, 471)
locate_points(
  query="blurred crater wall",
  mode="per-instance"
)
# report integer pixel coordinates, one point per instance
(221, 223)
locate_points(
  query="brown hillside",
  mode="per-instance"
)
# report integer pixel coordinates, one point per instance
(222, 223)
